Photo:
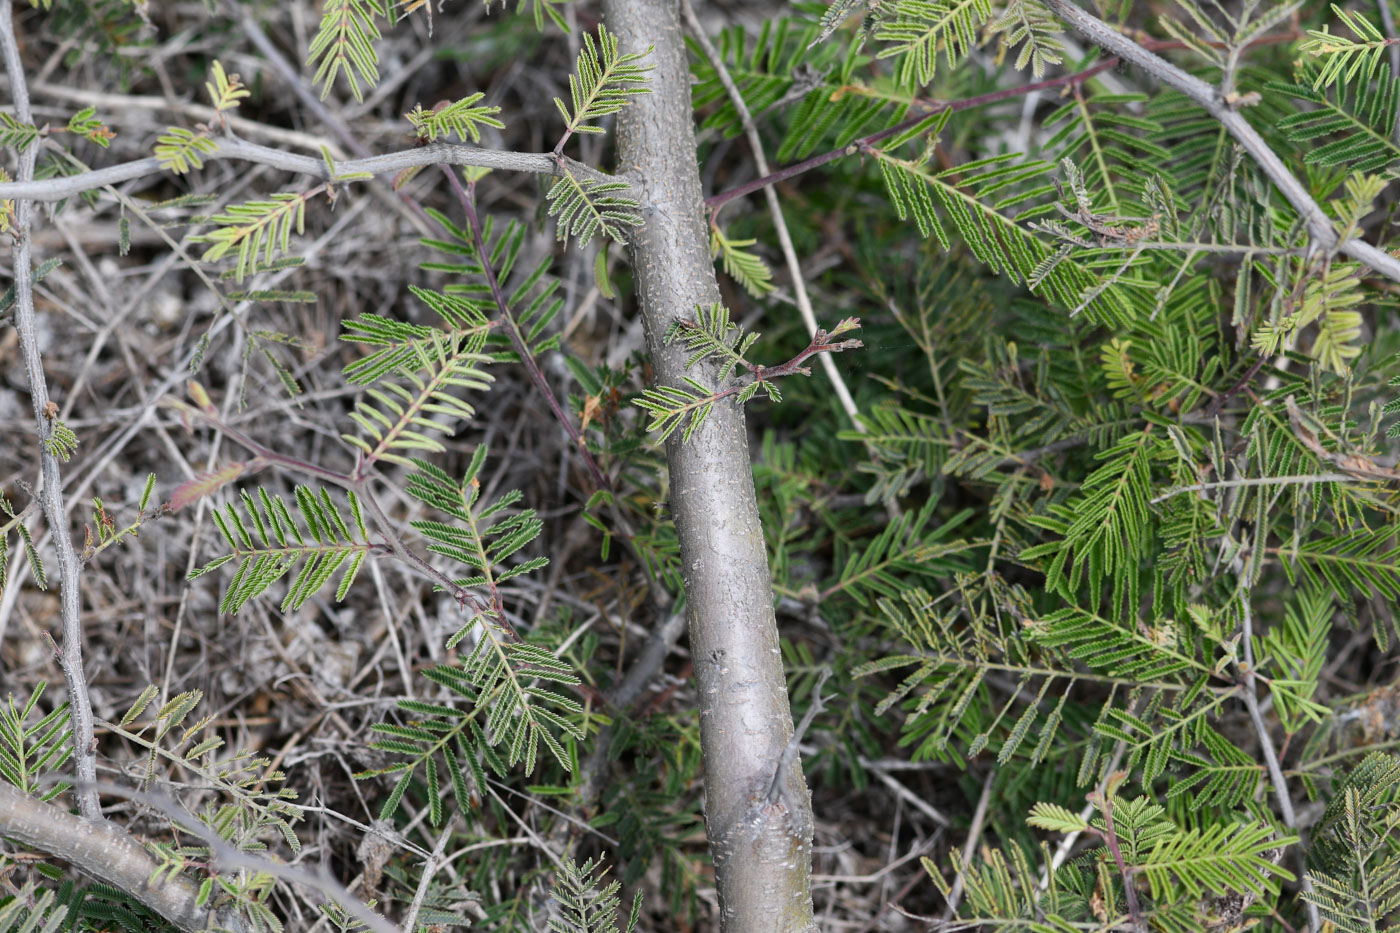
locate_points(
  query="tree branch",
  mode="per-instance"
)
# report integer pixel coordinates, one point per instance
(1324, 235)
(517, 339)
(51, 490)
(105, 852)
(762, 851)
(228, 148)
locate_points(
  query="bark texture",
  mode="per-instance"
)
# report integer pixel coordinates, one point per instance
(761, 846)
(108, 854)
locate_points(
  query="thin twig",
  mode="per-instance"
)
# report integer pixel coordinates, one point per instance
(775, 789)
(517, 338)
(974, 832)
(799, 284)
(425, 880)
(1110, 838)
(359, 485)
(233, 149)
(226, 856)
(1260, 481)
(1261, 731)
(51, 490)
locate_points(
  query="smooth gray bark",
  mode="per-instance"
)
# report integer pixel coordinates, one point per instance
(108, 854)
(761, 848)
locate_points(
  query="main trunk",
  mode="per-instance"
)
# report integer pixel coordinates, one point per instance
(761, 849)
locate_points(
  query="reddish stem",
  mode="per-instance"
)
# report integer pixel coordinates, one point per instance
(517, 339)
(934, 106)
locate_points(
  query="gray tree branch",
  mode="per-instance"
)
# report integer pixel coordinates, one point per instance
(51, 490)
(1324, 235)
(234, 149)
(762, 850)
(108, 854)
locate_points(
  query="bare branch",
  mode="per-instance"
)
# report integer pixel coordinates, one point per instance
(51, 491)
(233, 149)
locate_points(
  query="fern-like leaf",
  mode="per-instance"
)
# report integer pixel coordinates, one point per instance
(399, 420)
(1344, 59)
(585, 207)
(266, 541)
(975, 198)
(605, 81)
(226, 90)
(586, 904)
(917, 29)
(463, 117)
(344, 44)
(712, 335)
(257, 229)
(180, 150)
(744, 267)
(1028, 24)
(31, 751)
(1106, 531)
(671, 408)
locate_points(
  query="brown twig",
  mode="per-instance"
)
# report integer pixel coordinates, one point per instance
(467, 197)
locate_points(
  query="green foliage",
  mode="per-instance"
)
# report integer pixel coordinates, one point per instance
(916, 30)
(266, 541)
(1298, 647)
(1354, 865)
(84, 123)
(61, 443)
(986, 226)
(1106, 531)
(672, 407)
(1346, 126)
(16, 135)
(1028, 24)
(712, 335)
(257, 229)
(585, 904)
(1343, 60)
(480, 543)
(344, 44)
(604, 82)
(31, 751)
(226, 90)
(462, 117)
(585, 207)
(180, 150)
(16, 524)
(397, 420)
(1391, 407)
(742, 266)
(510, 686)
